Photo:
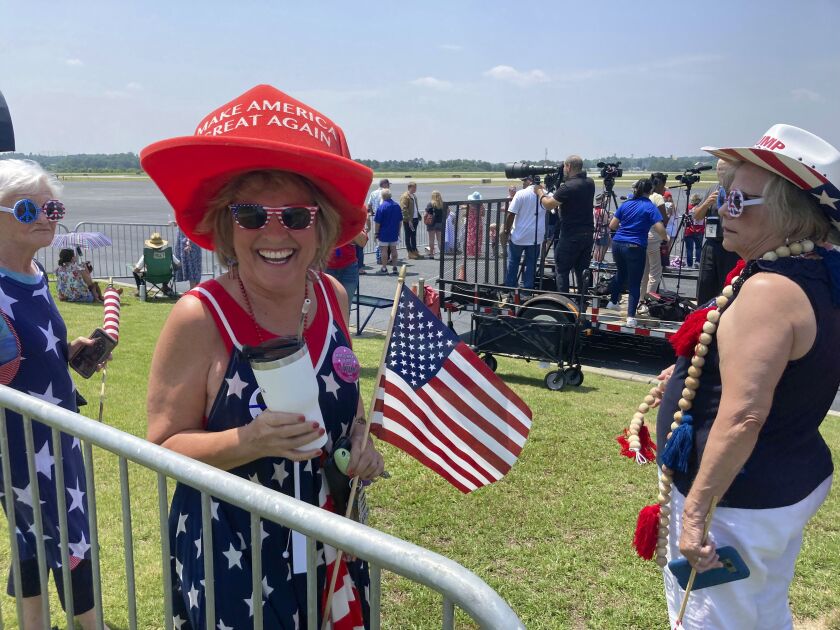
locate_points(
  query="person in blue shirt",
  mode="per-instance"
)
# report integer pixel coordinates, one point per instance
(633, 219)
(388, 219)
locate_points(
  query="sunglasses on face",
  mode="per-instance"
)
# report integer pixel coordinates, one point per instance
(253, 216)
(27, 211)
(737, 200)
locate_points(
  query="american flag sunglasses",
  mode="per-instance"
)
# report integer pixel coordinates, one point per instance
(254, 216)
(27, 211)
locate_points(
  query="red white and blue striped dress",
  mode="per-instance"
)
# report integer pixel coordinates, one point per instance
(237, 403)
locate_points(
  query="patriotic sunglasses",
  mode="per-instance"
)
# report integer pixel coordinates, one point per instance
(27, 211)
(254, 216)
(737, 200)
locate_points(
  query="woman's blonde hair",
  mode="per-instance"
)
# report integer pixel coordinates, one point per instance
(437, 200)
(791, 212)
(219, 222)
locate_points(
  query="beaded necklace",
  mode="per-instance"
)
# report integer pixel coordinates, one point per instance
(250, 308)
(656, 518)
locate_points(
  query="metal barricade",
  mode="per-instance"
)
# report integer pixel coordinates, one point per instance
(458, 586)
(118, 260)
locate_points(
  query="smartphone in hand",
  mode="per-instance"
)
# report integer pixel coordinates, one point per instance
(734, 568)
(87, 358)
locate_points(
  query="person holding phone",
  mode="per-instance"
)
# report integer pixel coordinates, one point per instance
(274, 203)
(29, 211)
(758, 385)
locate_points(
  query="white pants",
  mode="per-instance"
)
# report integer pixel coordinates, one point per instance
(652, 274)
(769, 542)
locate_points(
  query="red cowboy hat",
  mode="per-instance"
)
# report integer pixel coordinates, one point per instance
(263, 129)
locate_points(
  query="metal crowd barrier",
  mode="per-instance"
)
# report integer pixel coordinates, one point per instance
(128, 239)
(458, 586)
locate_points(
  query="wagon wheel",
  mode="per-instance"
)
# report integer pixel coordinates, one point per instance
(490, 361)
(555, 380)
(574, 376)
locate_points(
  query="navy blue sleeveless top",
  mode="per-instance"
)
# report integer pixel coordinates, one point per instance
(790, 458)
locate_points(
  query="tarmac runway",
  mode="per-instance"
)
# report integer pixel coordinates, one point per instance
(140, 201)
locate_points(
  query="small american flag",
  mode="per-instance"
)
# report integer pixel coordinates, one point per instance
(441, 404)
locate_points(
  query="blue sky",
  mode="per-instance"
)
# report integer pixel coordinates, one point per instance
(491, 80)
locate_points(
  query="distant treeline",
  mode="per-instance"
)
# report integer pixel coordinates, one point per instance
(83, 163)
(130, 162)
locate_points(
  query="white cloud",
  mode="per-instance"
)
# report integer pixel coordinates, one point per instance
(804, 94)
(133, 86)
(521, 78)
(451, 47)
(431, 82)
(74, 62)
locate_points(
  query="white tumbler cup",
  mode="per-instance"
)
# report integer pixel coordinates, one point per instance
(290, 384)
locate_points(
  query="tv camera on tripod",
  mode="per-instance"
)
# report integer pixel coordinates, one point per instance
(687, 179)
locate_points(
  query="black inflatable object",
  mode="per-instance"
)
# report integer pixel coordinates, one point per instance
(7, 132)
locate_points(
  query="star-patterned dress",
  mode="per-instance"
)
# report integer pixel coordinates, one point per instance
(43, 372)
(237, 403)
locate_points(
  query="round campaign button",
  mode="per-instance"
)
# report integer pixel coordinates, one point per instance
(346, 364)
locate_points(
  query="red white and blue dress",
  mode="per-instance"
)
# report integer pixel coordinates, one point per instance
(237, 403)
(30, 312)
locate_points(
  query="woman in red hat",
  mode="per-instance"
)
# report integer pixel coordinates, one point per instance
(268, 183)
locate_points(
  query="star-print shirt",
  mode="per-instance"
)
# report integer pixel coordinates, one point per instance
(237, 403)
(32, 316)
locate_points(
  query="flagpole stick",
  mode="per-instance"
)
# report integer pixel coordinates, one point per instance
(102, 394)
(355, 484)
(693, 573)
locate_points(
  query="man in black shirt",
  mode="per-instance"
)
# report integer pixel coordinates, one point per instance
(574, 198)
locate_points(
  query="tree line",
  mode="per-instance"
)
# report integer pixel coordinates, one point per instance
(130, 163)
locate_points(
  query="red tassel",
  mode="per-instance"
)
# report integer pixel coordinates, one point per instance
(647, 532)
(684, 340)
(736, 271)
(648, 450)
(625, 445)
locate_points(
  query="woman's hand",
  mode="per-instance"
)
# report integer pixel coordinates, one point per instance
(664, 377)
(278, 434)
(701, 556)
(365, 461)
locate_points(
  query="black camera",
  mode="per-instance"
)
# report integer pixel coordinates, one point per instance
(522, 170)
(609, 171)
(692, 175)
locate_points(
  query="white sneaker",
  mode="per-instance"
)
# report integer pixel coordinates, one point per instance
(611, 306)
(631, 322)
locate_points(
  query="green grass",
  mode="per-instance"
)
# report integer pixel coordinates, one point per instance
(553, 537)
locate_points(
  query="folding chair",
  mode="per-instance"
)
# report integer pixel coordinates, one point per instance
(160, 271)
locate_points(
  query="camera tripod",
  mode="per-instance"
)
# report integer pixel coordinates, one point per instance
(684, 219)
(602, 224)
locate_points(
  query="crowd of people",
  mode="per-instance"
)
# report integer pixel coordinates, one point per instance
(279, 207)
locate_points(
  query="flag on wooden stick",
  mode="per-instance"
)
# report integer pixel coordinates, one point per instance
(441, 404)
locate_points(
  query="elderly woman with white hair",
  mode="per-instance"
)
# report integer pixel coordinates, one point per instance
(33, 359)
(757, 372)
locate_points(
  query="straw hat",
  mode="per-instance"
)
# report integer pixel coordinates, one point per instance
(156, 241)
(805, 160)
